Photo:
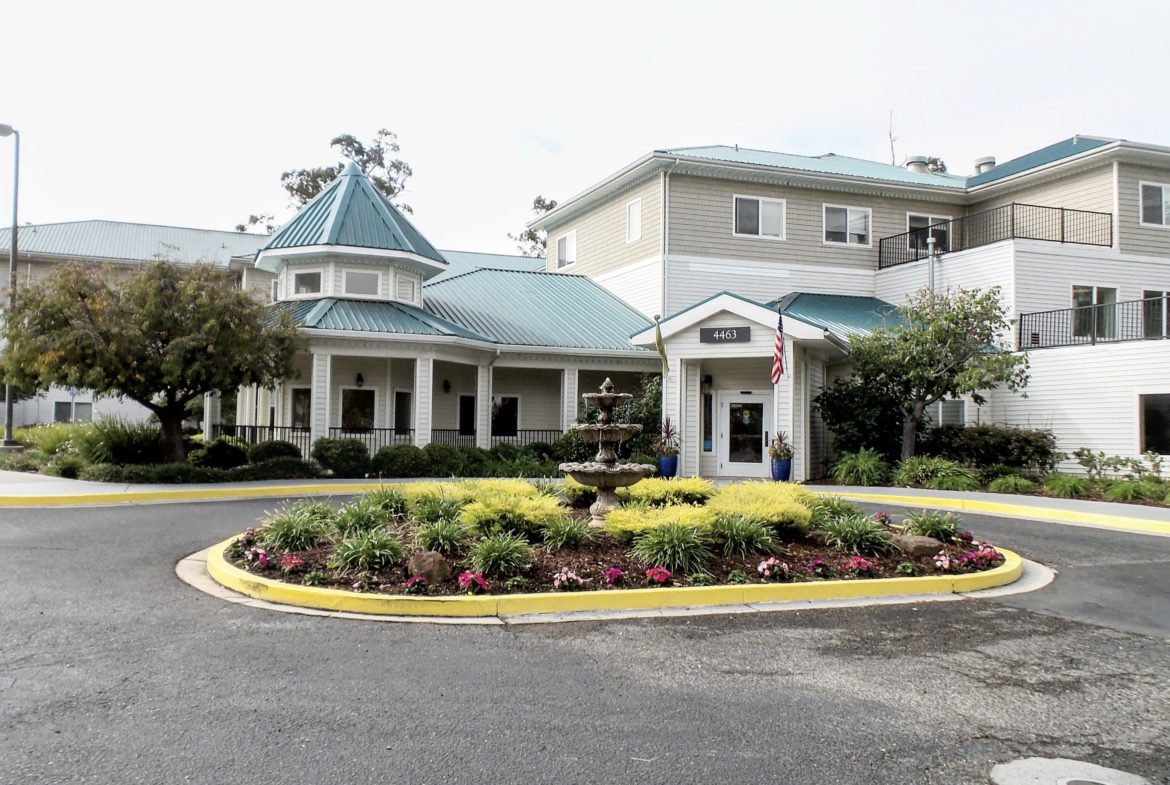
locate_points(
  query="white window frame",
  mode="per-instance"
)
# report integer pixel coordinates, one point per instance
(1164, 296)
(401, 278)
(934, 219)
(292, 284)
(1165, 204)
(345, 282)
(275, 289)
(1072, 293)
(570, 238)
(341, 388)
(633, 208)
(759, 234)
(825, 225)
(1139, 435)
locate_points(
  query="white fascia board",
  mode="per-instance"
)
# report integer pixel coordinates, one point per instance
(271, 260)
(610, 184)
(634, 354)
(446, 340)
(726, 303)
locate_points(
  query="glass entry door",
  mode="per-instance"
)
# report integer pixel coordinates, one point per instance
(745, 425)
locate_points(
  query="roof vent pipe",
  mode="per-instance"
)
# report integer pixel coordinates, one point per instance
(916, 163)
(984, 164)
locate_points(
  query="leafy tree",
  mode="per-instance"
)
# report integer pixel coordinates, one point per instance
(862, 413)
(163, 337)
(265, 221)
(532, 242)
(949, 344)
(376, 160)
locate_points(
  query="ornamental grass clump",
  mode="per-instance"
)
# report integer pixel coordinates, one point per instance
(665, 492)
(675, 546)
(782, 507)
(367, 551)
(939, 474)
(864, 467)
(525, 516)
(742, 536)
(503, 553)
(942, 526)
(300, 526)
(626, 523)
(1135, 490)
(1066, 486)
(826, 508)
(1011, 483)
(389, 499)
(435, 509)
(857, 534)
(360, 516)
(565, 532)
(444, 536)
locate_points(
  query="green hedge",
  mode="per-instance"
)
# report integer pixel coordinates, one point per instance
(982, 446)
(182, 473)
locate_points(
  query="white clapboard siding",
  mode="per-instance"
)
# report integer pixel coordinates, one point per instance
(978, 268)
(539, 390)
(690, 279)
(1046, 273)
(639, 284)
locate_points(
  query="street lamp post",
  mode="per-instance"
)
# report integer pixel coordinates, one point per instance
(7, 130)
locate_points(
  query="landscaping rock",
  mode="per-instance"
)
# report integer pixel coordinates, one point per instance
(431, 565)
(915, 545)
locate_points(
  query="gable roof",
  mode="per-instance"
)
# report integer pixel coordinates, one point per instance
(1045, 155)
(351, 212)
(536, 309)
(845, 316)
(122, 241)
(829, 163)
(370, 316)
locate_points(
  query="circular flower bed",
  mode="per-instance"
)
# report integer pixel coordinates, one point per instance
(512, 536)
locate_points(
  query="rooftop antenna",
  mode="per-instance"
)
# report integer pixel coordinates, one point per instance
(893, 158)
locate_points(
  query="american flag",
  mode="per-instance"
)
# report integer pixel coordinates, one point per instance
(778, 352)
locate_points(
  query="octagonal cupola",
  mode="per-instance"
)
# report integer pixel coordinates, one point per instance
(350, 241)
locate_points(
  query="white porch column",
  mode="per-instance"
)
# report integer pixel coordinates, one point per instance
(424, 388)
(690, 431)
(211, 414)
(263, 404)
(388, 398)
(322, 381)
(570, 395)
(483, 406)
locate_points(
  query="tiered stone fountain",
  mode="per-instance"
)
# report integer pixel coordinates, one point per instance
(604, 472)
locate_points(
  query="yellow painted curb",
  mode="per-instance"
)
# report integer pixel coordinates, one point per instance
(195, 494)
(270, 590)
(1017, 510)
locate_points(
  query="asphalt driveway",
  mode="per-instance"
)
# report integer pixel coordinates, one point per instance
(112, 670)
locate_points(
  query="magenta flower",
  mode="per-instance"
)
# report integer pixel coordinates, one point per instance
(612, 576)
(659, 575)
(472, 582)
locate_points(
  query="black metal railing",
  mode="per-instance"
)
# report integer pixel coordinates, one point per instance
(529, 436)
(453, 437)
(1014, 221)
(1132, 320)
(254, 434)
(374, 438)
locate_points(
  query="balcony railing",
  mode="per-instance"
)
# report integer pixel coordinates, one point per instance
(1132, 320)
(374, 438)
(1010, 222)
(254, 434)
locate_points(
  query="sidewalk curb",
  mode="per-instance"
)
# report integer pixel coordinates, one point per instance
(512, 605)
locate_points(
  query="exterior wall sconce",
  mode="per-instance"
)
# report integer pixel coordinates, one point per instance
(446, 386)
(360, 380)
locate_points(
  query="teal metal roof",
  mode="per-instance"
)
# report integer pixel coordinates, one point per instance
(536, 309)
(121, 241)
(371, 316)
(460, 262)
(829, 163)
(844, 316)
(1045, 155)
(350, 211)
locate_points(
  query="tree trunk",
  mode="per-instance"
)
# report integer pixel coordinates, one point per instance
(171, 421)
(910, 429)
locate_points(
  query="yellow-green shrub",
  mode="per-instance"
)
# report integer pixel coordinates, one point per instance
(524, 515)
(662, 492)
(419, 492)
(578, 495)
(506, 488)
(777, 505)
(626, 522)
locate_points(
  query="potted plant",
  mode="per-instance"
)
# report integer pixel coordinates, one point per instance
(667, 447)
(780, 451)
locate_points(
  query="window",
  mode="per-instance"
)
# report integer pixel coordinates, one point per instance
(1155, 204)
(847, 225)
(366, 284)
(1096, 312)
(947, 413)
(275, 289)
(62, 411)
(1155, 314)
(405, 289)
(82, 412)
(1155, 423)
(302, 407)
(307, 283)
(758, 217)
(916, 224)
(403, 416)
(634, 221)
(357, 409)
(567, 249)
(505, 415)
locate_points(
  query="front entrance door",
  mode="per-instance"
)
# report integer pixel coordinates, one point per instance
(745, 425)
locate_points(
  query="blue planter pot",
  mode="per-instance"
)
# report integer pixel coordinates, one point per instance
(668, 465)
(781, 469)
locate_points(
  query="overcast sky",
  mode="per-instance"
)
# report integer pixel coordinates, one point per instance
(187, 113)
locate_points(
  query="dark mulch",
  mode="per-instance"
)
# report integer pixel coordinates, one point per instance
(600, 553)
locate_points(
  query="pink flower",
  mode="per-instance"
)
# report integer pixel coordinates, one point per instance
(659, 575)
(773, 569)
(262, 557)
(288, 563)
(612, 576)
(942, 561)
(472, 582)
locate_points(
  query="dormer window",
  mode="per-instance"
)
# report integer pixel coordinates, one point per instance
(307, 283)
(363, 284)
(406, 289)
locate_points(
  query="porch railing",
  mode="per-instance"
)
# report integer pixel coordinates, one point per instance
(456, 438)
(453, 437)
(374, 438)
(1014, 221)
(254, 434)
(1131, 320)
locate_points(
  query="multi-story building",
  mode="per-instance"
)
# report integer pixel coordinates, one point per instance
(718, 239)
